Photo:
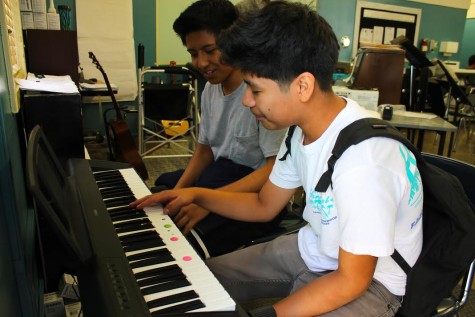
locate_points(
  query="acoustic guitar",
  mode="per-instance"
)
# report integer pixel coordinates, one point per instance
(125, 147)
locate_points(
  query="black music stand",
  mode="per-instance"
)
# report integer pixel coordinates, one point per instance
(416, 59)
(454, 91)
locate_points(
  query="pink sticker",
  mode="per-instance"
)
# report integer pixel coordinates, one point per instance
(187, 258)
(174, 238)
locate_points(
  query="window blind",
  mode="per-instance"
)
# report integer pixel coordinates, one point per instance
(13, 44)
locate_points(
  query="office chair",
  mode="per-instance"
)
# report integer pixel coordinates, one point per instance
(167, 112)
(465, 172)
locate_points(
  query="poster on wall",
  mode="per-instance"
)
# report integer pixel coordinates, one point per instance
(378, 24)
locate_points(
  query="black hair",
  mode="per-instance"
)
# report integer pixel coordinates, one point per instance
(205, 15)
(281, 41)
(471, 60)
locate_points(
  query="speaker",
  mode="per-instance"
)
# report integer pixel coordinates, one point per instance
(59, 115)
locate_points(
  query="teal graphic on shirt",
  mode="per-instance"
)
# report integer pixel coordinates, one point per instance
(413, 177)
(322, 204)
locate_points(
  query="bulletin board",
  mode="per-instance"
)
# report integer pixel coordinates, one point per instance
(377, 23)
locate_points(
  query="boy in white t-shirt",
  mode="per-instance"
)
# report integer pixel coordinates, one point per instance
(339, 264)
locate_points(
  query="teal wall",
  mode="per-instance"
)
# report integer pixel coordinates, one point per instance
(468, 46)
(144, 27)
(437, 22)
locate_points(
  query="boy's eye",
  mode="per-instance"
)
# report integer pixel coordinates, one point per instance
(210, 51)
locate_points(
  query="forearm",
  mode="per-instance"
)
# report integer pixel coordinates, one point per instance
(257, 207)
(320, 296)
(237, 206)
(251, 207)
(333, 290)
(202, 157)
(253, 182)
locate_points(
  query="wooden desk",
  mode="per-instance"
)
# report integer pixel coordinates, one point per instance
(437, 124)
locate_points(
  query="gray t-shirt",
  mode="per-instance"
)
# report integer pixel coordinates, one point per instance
(232, 131)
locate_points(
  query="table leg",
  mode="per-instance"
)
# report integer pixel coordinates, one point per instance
(420, 139)
(451, 144)
(442, 143)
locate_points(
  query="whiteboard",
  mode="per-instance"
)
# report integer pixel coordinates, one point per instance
(105, 27)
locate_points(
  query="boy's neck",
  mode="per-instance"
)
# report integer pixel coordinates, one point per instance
(326, 108)
(232, 82)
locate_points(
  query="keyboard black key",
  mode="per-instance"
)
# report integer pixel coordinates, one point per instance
(157, 271)
(178, 283)
(179, 309)
(176, 298)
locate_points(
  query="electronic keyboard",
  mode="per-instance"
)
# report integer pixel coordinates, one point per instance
(143, 266)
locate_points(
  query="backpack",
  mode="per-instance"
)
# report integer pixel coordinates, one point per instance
(448, 222)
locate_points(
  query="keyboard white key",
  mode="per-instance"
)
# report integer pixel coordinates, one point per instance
(210, 291)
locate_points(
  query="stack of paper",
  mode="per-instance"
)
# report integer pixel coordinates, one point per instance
(49, 83)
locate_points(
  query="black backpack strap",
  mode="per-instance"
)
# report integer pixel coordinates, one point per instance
(288, 138)
(401, 262)
(355, 133)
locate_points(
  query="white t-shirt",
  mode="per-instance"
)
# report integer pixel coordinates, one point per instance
(375, 204)
(232, 131)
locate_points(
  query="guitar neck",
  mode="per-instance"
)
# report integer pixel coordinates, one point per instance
(111, 93)
(109, 88)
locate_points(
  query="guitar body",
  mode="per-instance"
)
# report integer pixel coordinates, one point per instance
(126, 150)
(125, 147)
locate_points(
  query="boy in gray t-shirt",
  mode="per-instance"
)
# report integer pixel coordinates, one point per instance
(234, 151)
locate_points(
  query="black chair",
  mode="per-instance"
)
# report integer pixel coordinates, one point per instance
(218, 237)
(463, 110)
(290, 222)
(435, 98)
(168, 112)
(466, 116)
(465, 172)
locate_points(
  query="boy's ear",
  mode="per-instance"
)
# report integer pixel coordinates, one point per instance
(305, 85)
